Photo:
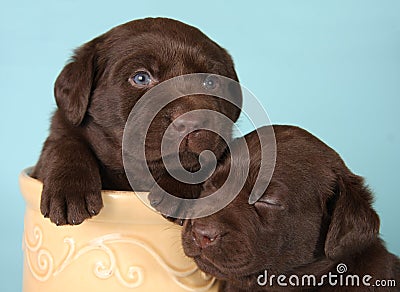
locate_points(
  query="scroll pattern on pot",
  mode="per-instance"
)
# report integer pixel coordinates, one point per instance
(42, 265)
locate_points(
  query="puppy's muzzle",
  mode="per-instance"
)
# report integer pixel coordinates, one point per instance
(204, 235)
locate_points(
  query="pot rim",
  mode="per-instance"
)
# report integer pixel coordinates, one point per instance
(118, 206)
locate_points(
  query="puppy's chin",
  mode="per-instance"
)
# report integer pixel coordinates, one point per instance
(201, 140)
(208, 267)
(187, 159)
(207, 262)
(224, 271)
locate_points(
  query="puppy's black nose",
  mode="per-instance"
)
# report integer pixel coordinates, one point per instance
(204, 235)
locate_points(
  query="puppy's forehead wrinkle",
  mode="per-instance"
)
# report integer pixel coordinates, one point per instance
(164, 62)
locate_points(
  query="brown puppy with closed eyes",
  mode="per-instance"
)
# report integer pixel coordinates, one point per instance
(95, 93)
(314, 216)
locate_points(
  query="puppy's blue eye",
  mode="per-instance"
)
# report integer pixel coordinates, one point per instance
(141, 78)
(211, 82)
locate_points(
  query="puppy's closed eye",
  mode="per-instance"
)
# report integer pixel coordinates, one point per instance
(269, 202)
(274, 196)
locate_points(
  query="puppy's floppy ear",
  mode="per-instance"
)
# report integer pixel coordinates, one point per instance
(74, 84)
(235, 92)
(354, 224)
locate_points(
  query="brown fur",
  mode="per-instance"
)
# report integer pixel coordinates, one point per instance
(94, 95)
(314, 215)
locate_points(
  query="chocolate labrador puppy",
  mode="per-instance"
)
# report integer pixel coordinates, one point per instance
(95, 93)
(315, 219)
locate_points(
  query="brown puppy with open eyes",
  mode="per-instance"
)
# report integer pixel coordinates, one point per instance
(314, 217)
(95, 93)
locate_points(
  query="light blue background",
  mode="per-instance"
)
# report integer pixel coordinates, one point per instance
(332, 67)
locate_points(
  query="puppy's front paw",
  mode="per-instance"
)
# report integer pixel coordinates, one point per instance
(70, 202)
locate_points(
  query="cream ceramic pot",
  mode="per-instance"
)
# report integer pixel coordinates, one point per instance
(127, 247)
